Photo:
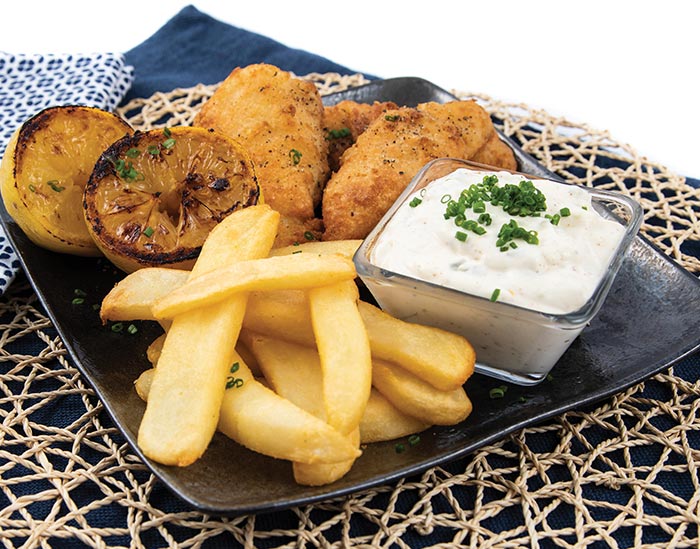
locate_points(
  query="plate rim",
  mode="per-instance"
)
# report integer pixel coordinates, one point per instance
(329, 493)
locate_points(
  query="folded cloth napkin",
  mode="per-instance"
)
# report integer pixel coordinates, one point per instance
(194, 48)
(30, 83)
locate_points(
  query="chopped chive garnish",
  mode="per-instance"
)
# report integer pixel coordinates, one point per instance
(495, 294)
(32, 188)
(415, 202)
(498, 392)
(461, 236)
(133, 152)
(308, 235)
(399, 448)
(339, 133)
(132, 329)
(55, 186)
(169, 143)
(295, 155)
(391, 117)
(565, 212)
(413, 440)
(148, 232)
(167, 132)
(117, 327)
(153, 150)
(234, 382)
(78, 301)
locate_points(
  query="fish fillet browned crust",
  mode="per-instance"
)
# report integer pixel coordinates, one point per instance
(473, 121)
(380, 164)
(279, 119)
(496, 152)
(345, 121)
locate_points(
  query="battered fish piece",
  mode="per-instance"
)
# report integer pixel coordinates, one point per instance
(377, 168)
(345, 121)
(279, 119)
(497, 153)
(471, 118)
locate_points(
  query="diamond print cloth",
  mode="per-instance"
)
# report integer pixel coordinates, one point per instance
(30, 83)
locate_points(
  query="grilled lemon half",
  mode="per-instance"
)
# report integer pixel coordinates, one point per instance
(44, 170)
(154, 196)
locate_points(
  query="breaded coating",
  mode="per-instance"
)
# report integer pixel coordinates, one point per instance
(377, 168)
(496, 153)
(279, 119)
(471, 118)
(345, 121)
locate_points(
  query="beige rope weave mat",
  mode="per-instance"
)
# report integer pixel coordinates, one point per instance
(582, 479)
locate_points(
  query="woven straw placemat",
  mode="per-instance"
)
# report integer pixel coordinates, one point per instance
(623, 473)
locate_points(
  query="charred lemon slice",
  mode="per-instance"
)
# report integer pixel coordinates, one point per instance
(45, 168)
(154, 196)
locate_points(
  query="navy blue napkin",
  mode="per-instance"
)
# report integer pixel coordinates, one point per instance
(194, 48)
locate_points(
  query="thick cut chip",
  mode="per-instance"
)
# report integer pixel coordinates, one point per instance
(295, 372)
(418, 398)
(271, 273)
(383, 421)
(153, 197)
(262, 421)
(189, 384)
(343, 346)
(443, 359)
(45, 168)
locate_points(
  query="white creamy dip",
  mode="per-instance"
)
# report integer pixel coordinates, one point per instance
(556, 275)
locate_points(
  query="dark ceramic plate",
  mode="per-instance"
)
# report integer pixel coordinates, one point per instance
(649, 321)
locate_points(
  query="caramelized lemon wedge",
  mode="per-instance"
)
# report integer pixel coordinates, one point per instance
(154, 196)
(45, 168)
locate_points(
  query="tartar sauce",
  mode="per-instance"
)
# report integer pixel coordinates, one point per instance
(552, 261)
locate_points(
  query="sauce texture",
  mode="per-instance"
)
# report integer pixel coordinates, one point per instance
(552, 263)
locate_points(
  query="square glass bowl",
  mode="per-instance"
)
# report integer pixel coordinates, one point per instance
(512, 343)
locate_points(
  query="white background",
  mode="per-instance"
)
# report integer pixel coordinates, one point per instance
(630, 68)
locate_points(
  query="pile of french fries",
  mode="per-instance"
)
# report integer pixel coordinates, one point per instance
(275, 350)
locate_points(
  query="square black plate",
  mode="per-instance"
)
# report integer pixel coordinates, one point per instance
(650, 320)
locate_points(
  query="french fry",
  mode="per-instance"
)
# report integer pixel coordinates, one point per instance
(259, 419)
(189, 383)
(294, 371)
(418, 398)
(133, 296)
(154, 349)
(382, 421)
(443, 359)
(271, 273)
(325, 473)
(343, 346)
(143, 383)
(283, 314)
(346, 248)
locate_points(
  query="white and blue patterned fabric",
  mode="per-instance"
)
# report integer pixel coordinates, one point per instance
(32, 82)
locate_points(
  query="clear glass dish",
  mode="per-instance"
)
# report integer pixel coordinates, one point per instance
(512, 343)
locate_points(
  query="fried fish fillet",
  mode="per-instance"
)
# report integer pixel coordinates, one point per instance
(377, 168)
(497, 153)
(473, 122)
(345, 121)
(279, 119)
